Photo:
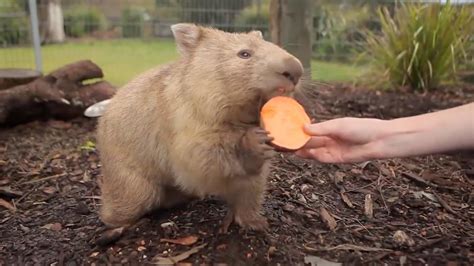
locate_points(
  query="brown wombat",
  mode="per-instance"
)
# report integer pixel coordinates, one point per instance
(190, 129)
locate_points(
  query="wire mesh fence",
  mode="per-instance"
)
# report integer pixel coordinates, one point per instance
(337, 24)
(15, 32)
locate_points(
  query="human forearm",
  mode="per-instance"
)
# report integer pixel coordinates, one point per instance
(442, 131)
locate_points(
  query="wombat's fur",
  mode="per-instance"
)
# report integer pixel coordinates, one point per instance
(191, 128)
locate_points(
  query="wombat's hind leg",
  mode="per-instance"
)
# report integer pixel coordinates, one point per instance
(126, 199)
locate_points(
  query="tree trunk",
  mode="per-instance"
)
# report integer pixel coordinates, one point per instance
(51, 21)
(59, 95)
(291, 27)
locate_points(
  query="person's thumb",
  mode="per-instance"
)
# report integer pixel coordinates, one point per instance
(325, 128)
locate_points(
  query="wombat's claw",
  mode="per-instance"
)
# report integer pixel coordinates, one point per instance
(226, 222)
(264, 136)
(110, 236)
(256, 222)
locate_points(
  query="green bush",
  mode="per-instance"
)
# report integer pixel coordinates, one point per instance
(337, 29)
(80, 21)
(13, 30)
(132, 22)
(420, 46)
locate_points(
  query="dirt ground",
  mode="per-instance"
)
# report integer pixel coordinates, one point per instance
(422, 207)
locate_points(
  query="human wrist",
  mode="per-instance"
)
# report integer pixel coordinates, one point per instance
(402, 137)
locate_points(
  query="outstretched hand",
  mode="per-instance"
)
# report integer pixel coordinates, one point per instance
(342, 140)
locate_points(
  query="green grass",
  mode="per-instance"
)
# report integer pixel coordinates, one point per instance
(331, 71)
(123, 59)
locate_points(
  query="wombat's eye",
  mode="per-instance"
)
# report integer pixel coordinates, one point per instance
(244, 54)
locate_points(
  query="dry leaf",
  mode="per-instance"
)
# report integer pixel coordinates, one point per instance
(175, 259)
(49, 190)
(328, 219)
(369, 206)
(185, 241)
(58, 124)
(346, 200)
(402, 238)
(53, 226)
(7, 205)
(221, 247)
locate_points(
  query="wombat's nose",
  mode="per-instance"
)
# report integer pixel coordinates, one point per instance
(293, 70)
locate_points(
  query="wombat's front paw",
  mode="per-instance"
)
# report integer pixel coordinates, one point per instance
(252, 221)
(256, 141)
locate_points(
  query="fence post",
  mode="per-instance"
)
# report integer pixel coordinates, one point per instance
(35, 32)
(291, 26)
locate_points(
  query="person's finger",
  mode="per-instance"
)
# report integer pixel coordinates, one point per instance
(304, 153)
(321, 155)
(354, 155)
(317, 142)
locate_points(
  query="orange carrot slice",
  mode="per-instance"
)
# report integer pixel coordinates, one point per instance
(284, 118)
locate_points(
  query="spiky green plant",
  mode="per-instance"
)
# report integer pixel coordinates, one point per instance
(419, 46)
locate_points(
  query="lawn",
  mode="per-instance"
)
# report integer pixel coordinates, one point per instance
(123, 59)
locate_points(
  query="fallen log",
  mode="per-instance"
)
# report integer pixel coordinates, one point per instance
(11, 77)
(58, 95)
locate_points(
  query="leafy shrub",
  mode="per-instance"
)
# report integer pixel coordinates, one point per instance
(132, 22)
(80, 21)
(337, 29)
(13, 30)
(420, 46)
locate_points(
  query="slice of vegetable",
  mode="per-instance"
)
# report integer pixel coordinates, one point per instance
(284, 118)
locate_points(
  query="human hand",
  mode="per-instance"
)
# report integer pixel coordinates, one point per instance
(343, 140)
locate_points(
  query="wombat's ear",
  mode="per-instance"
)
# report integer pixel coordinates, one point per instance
(257, 33)
(186, 35)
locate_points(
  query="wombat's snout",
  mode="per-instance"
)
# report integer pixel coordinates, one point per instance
(292, 69)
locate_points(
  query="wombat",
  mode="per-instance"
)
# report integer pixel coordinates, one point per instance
(190, 129)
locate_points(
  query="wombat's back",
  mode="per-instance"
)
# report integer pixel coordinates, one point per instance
(132, 129)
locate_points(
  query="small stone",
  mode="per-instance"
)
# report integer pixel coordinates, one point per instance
(304, 188)
(288, 207)
(141, 248)
(314, 196)
(167, 225)
(272, 250)
(82, 208)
